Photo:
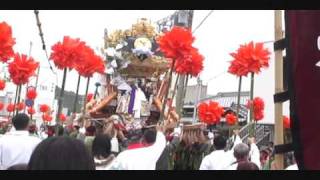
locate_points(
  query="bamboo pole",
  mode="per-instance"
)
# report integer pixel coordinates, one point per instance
(175, 87)
(279, 160)
(18, 98)
(60, 100)
(251, 129)
(85, 96)
(76, 98)
(162, 116)
(238, 100)
(184, 94)
(15, 100)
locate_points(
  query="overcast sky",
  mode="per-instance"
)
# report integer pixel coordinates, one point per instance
(220, 34)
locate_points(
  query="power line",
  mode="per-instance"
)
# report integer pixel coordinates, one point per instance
(204, 19)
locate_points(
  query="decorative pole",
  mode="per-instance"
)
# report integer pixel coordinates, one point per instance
(252, 126)
(15, 100)
(238, 100)
(167, 91)
(18, 99)
(77, 94)
(60, 100)
(279, 160)
(85, 97)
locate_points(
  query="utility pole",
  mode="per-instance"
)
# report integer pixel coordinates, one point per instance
(183, 18)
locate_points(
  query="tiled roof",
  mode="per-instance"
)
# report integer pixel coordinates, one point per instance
(226, 99)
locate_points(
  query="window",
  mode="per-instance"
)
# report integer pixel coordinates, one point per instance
(188, 112)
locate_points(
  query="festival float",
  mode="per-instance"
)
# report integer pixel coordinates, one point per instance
(136, 81)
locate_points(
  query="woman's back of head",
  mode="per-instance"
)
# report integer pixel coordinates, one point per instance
(61, 153)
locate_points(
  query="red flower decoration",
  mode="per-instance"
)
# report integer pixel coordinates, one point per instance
(10, 107)
(190, 63)
(231, 119)
(258, 108)
(1, 106)
(176, 41)
(67, 53)
(6, 42)
(286, 122)
(210, 113)
(258, 115)
(177, 44)
(2, 84)
(44, 108)
(31, 111)
(258, 104)
(22, 68)
(62, 117)
(89, 97)
(46, 117)
(20, 106)
(249, 58)
(31, 93)
(90, 64)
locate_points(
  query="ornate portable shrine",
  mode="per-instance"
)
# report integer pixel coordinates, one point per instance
(135, 69)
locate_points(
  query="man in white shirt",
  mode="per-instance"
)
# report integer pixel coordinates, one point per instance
(17, 146)
(219, 159)
(144, 158)
(242, 153)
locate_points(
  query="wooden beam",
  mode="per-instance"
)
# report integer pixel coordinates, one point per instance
(278, 88)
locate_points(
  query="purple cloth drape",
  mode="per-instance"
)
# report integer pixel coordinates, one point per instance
(131, 102)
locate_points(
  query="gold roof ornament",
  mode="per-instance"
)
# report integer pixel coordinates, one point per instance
(142, 28)
(141, 38)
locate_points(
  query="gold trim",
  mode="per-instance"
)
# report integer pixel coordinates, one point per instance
(143, 28)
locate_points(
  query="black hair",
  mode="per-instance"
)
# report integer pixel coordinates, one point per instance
(101, 146)
(149, 136)
(60, 130)
(219, 142)
(20, 121)
(61, 153)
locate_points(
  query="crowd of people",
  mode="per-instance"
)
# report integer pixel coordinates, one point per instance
(161, 147)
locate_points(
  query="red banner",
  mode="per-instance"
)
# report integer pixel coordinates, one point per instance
(303, 52)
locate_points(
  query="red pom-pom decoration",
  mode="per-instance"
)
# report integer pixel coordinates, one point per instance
(6, 42)
(231, 119)
(2, 84)
(10, 107)
(31, 93)
(286, 122)
(249, 58)
(210, 113)
(22, 68)
(31, 111)
(44, 108)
